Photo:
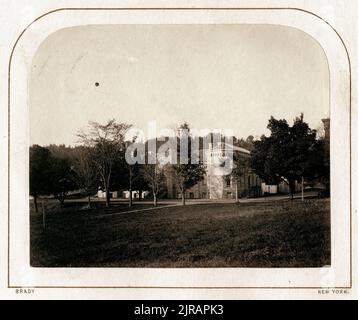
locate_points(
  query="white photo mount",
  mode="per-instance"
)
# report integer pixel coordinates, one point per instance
(338, 275)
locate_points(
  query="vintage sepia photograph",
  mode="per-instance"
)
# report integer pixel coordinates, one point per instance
(179, 146)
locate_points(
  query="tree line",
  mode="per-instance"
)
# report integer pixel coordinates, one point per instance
(288, 154)
(99, 161)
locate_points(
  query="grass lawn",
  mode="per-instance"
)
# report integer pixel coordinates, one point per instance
(266, 234)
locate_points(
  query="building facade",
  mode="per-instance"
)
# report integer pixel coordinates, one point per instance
(218, 183)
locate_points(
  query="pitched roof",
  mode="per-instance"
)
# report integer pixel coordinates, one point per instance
(229, 146)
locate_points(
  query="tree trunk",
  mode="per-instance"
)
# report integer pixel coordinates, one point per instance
(183, 198)
(130, 198)
(89, 201)
(35, 203)
(130, 187)
(302, 183)
(154, 199)
(61, 198)
(291, 185)
(43, 215)
(237, 192)
(108, 197)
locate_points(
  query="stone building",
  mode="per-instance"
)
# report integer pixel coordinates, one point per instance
(217, 183)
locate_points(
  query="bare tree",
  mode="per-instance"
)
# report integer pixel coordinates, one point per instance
(108, 143)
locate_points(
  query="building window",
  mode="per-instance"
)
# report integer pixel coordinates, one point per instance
(228, 181)
(203, 195)
(191, 195)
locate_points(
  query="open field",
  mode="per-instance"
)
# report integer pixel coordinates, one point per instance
(262, 234)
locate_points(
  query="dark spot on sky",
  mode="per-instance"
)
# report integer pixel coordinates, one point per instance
(96, 84)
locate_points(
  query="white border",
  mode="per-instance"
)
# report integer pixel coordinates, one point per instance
(338, 275)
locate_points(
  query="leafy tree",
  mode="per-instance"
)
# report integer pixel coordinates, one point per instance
(289, 154)
(85, 171)
(154, 176)
(135, 174)
(62, 179)
(187, 175)
(40, 172)
(62, 151)
(128, 175)
(190, 173)
(108, 144)
(140, 183)
(247, 143)
(325, 167)
(241, 167)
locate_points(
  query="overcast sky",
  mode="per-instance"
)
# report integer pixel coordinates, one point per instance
(212, 76)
